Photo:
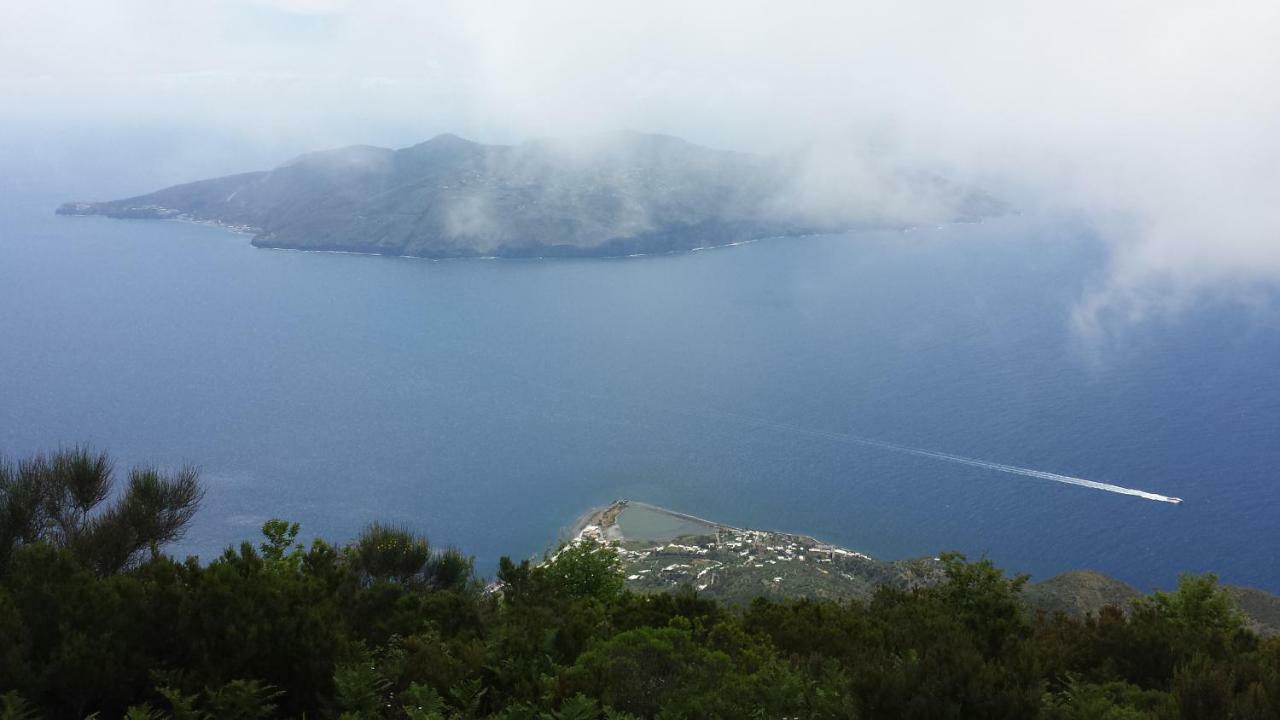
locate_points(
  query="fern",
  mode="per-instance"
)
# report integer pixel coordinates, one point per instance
(142, 712)
(578, 707)
(14, 707)
(181, 705)
(243, 700)
(422, 702)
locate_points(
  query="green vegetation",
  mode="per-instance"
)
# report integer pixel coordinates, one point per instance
(735, 566)
(388, 627)
(58, 500)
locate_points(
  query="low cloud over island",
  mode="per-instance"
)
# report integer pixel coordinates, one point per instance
(1155, 121)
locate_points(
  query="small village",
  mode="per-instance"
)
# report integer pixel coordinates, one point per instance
(735, 564)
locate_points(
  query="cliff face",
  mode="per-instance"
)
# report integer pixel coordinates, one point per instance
(450, 197)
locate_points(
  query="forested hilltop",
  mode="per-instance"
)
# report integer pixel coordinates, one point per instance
(615, 195)
(95, 618)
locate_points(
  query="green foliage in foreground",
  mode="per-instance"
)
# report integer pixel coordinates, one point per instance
(386, 627)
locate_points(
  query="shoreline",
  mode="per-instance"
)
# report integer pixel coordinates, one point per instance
(603, 521)
(255, 232)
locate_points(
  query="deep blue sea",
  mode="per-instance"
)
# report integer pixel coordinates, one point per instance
(489, 403)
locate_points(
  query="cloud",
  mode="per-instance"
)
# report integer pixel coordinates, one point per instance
(1155, 119)
(306, 7)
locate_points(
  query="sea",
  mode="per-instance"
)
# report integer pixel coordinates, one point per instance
(489, 403)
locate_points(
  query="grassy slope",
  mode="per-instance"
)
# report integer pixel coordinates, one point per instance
(1262, 608)
(1079, 593)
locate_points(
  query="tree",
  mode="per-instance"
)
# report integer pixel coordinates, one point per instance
(95, 621)
(385, 553)
(1112, 701)
(984, 600)
(646, 670)
(1201, 613)
(585, 569)
(59, 499)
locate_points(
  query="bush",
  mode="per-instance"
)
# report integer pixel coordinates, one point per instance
(385, 628)
(385, 553)
(59, 500)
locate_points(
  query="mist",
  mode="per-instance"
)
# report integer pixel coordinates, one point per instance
(1155, 121)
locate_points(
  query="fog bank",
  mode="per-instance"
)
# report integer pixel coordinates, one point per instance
(1156, 120)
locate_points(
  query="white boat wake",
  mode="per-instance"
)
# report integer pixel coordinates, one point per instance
(1000, 467)
(960, 459)
(750, 421)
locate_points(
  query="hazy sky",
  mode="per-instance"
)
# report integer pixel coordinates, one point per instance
(1161, 120)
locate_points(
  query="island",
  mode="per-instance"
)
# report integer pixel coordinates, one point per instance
(623, 194)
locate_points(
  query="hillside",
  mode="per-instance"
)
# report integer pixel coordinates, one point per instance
(622, 195)
(1078, 593)
(96, 621)
(662, 550)
(1261, 609)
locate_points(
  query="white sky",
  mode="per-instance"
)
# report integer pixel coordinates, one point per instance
(1161, 119)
